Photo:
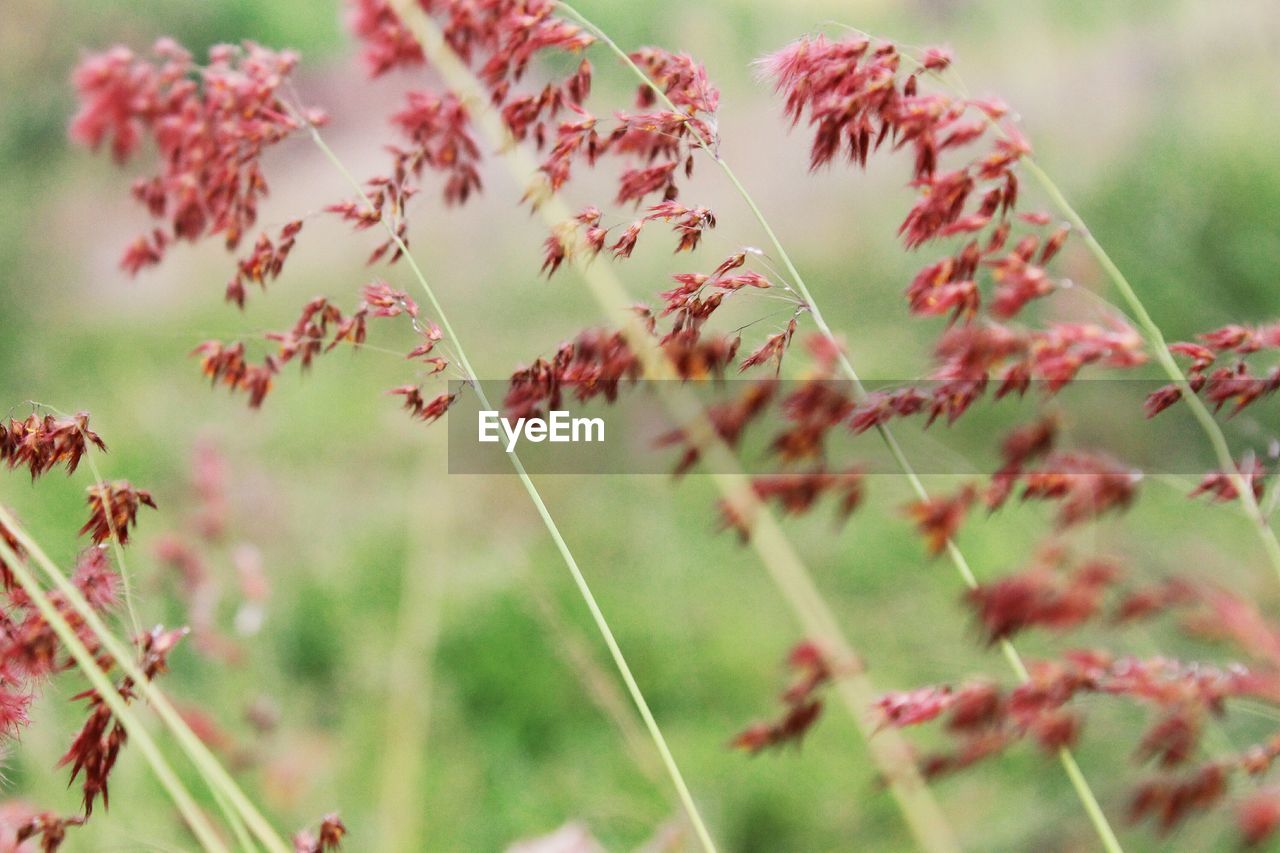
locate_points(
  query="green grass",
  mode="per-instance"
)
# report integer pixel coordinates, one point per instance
(328, 479)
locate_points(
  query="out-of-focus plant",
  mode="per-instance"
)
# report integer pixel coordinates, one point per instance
(860, 98)
(59, 626)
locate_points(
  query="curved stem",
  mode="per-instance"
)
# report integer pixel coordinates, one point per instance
(1155, 336)
(1081, 785)
(236, 822)
(597, 615)
(87, 664)
(1151, 330)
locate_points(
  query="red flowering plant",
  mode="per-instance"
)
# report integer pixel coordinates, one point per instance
(55, 622)
(516, 84)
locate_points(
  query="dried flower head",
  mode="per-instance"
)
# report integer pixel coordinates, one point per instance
(113, 509)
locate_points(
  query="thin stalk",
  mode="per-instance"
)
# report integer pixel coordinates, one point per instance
(597, 615)
(85, 660)
(126, 577)
(889, 750)
(209, 766)
(238, 829)
(699, 828)
(411, 665)
(1155, 336)
(1081, 785)
(1151, 330)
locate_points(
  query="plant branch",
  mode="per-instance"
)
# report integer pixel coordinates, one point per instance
(888, 748)
(1083, 791)
(1152, 331)
(1154, 335)
(126, 576)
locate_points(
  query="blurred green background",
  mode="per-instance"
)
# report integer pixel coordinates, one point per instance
(437, 679)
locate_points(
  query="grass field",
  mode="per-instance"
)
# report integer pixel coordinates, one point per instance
(434, 675)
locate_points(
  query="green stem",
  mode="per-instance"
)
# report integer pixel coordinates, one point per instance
(85, 660)
(238, 829)
(206, 763)
(126, 577)
(1151, 330)
(597, 615)
(1155, 336)
(1081, 785)
(411, 663)
(889, 750)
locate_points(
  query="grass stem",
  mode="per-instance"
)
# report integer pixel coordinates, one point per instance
(597, 615)
(1155, 336)
(1081, 786)
(889, 750)
(85, 661)
(208, 765)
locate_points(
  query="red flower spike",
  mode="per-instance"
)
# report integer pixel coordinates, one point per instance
(772, 350)
(803, 706)
(1146, 602)
(687, 222)
(636, 184)
(427, 411)
(1040, 597)
(49, 828)
(113, 509)
(1171, 741)
(96, 747)
(6, 573)
(626, 242)
(210, 126)
(438, 130)
(682, 79)
(41, 444)
(1221, 486)
(387, 42)
(796, 494)
(1159, 400)
(939, 518)
(1169, 802)
(264, 263)
(975, 707)
(1056, 730)
(383, 301)
(96, 580)
(1084, 485)
(973, 750)
(431, 335)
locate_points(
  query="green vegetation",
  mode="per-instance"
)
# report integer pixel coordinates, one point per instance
(344, 496)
